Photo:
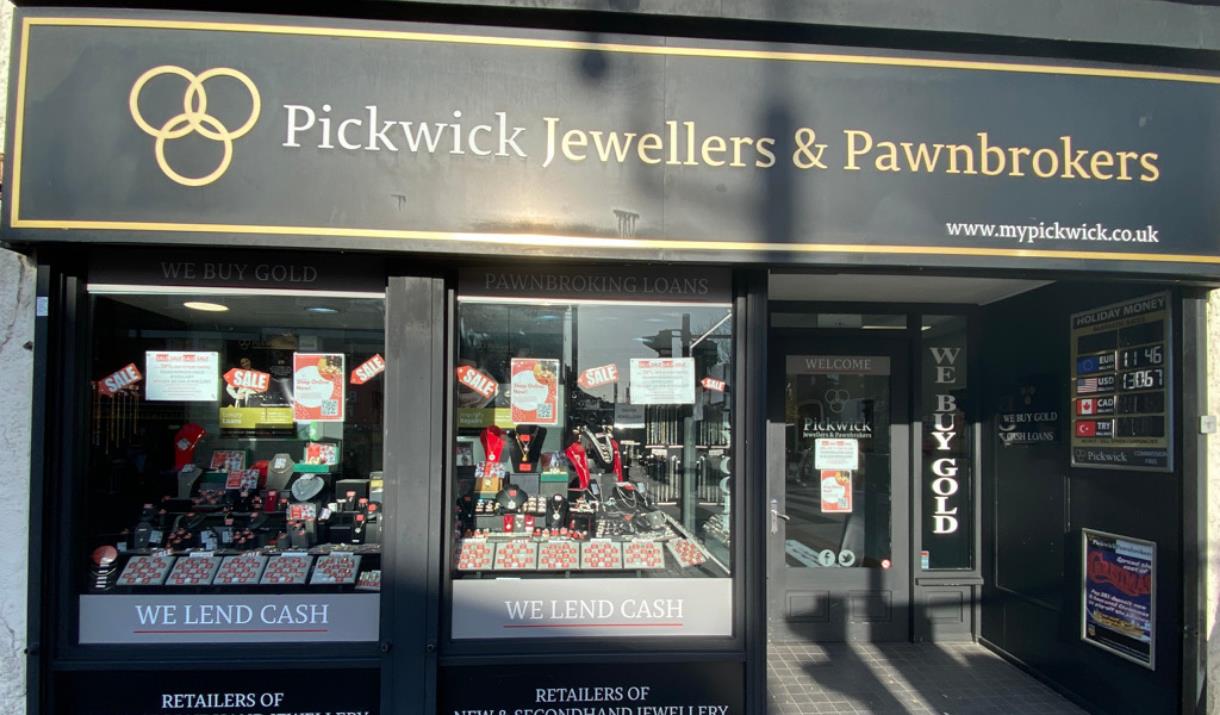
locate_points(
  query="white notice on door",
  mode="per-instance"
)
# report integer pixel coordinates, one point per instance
(663, 381)
(836, 454)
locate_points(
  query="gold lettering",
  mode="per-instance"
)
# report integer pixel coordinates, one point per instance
(1102, 160)
(986, 153)
(1151, 171)
(737, 142)
(763, 145)
(550, 139)
(1046, 153)
(713, 144)
(574, 139)
(1017, 152)
(1123, 158)
(888, 158)
(1071, 160)
(690, 144)
(922, 159)
(673, 142)
(853, 150)
(614, 145)
(649, 143)
(956, 150)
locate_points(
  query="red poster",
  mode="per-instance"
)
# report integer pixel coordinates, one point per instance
(534, 391)
(836, 491)
(119, 380)
(711, 383)
(367, 370)
(318, 387)
(598, 376)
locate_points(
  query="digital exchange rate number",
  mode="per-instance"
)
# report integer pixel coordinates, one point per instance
(1147, 379)
(1147, 356)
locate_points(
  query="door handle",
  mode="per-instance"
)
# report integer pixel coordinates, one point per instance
(776, 516)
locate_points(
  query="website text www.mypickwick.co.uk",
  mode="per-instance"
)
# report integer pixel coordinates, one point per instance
(1054, 231)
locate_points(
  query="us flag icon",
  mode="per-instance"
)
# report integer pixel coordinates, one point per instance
(1086, 406)
(1086, 385)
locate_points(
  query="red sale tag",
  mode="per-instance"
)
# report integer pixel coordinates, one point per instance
(119, 380)
(598, 376)
(252, 380)
(369, 369)
(478, 381)
(711, 383)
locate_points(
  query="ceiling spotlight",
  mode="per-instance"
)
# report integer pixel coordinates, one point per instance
(321, 310)
(207, 307)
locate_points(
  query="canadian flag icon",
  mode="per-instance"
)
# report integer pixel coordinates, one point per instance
(1087, 406)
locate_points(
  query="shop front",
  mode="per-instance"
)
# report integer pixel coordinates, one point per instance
(391, 367)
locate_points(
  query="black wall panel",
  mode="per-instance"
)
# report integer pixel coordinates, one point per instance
(1035, 504)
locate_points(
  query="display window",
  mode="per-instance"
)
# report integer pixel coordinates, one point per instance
(593, 484)
(233, 487)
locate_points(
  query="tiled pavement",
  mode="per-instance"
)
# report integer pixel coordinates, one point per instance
(933, 678)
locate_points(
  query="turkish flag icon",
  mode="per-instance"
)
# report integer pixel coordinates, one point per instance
(1086, 428)
(1086, 406)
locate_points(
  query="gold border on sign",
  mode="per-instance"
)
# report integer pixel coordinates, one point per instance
(571, 45)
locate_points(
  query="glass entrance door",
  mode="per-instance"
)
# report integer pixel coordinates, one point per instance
(838, 456)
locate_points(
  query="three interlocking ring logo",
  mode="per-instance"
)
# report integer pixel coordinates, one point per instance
(836, 400)
(194, 118)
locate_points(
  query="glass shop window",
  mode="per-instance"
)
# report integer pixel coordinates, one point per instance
(234, 454)
(592, 450)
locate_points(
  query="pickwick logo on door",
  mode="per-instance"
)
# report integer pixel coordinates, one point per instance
(194, 118)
